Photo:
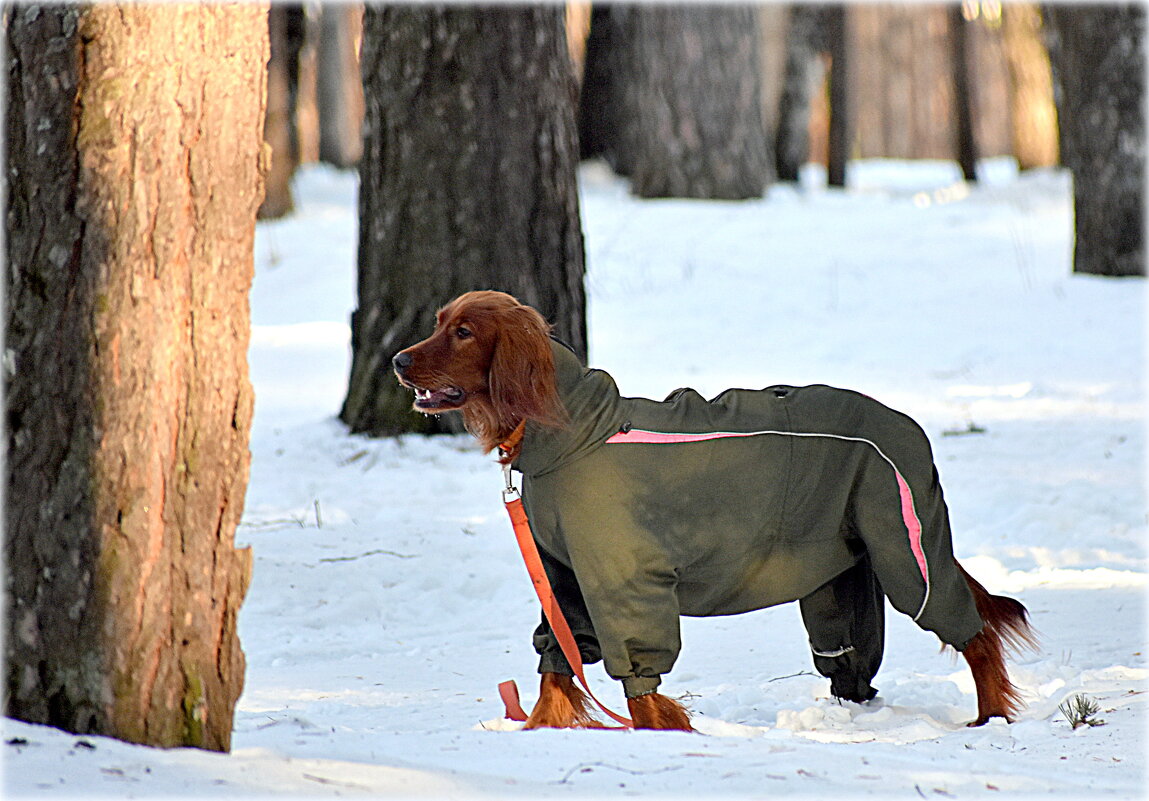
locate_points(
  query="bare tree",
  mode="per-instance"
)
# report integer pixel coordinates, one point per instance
(1099, 75)
(1032, 113)
(467, 181)
(838, 30)
(287, 25)
(671, 98)
(805, 73)
(133, 167)
(965, 143)
(340, 90)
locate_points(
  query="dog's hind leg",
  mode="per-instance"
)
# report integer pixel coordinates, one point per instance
(1005, 627)
(996, 695)
(845, 621)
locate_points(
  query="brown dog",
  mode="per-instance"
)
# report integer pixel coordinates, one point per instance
(492, 359)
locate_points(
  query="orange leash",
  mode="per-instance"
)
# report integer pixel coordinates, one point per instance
(562, 631)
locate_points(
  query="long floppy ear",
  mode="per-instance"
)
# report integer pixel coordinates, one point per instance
(522, 376)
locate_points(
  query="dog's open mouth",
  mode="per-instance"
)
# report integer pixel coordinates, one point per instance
(438, 399)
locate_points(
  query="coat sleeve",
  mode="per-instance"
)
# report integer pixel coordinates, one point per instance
(630, 591)
(594, 528)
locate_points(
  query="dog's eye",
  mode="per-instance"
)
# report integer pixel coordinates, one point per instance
(462, 332)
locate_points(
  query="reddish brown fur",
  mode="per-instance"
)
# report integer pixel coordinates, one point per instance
(505, 366)
(561, 705)
(655, 711)
(1005, 627)
(506, 369)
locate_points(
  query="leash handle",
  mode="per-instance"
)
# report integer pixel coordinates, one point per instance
(559, 626)
(509, 692)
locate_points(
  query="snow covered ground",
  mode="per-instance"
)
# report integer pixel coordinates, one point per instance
(389, 599)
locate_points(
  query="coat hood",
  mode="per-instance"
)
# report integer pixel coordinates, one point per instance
(595, 412)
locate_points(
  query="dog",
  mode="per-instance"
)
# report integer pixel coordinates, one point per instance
(645, 510)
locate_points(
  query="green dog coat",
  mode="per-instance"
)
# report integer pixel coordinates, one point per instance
(644, 511)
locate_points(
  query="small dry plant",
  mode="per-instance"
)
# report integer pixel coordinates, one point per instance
(1081, 710)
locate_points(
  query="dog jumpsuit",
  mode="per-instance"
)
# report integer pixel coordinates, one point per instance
(644, 511)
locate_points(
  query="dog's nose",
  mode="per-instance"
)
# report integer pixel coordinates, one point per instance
(401, 361)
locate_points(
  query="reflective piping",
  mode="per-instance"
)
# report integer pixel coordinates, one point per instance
(637, 436)
(831, 654)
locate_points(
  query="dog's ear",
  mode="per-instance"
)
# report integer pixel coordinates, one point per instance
(522, 376)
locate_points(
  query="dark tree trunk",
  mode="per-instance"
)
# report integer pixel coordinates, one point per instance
(286, 27)
(467, 181)
(676, 105)
(340, 90)
(804, 75)
(965, 143)
(129, 259)
(1099, 79)
(841, 113)
(598, 108)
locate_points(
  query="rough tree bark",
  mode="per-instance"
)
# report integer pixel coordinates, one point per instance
(467, 181)
(134, 167)
(678, 99)
(1097, 52)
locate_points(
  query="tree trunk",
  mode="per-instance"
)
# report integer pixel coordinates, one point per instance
(129, 259)
(599, 107)
(467, 181)
(286, 25)
(1100, 85)
(773, 26)
(965, 144)
(804, 76)
(841, 111)
(685, 118)
(578, 29)
(340, 90)
(1033, 117)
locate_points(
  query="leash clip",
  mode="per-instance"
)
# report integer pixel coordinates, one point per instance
(510, 493)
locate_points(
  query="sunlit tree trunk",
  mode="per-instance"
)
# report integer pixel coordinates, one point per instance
(133, 162)
(467, 181)
(1033, 117)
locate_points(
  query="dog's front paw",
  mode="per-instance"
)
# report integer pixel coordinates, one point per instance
(656, 711)
(561, 705)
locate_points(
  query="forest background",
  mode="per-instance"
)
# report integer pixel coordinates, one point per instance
(130, 250)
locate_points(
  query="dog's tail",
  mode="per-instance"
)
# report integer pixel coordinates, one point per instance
(1005, 627)
(1005, 619)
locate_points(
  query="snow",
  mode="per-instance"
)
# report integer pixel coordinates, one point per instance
(389, 600)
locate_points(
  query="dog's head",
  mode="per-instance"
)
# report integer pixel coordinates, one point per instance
(489, 358)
